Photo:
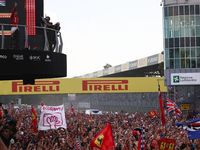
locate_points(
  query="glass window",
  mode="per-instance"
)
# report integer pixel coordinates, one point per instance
(197, 20)
(182, 53)
(166, 33)
(187, 42)
(197, 41)
(166, 64)
(198, 62)
(166, 54)
(176, 42)
(192, 20)
(176, 21)
(187, 52)
(182, 63)
(171, 53)
(187, 33)
(171, 42)
(192, 41)
(196, 9)
(177, 63)
(198, 52)
(193, 63)
(171, 32)
(192, 52)
(181, 10)
(171, 22)
(187, 22)
(187, 63)
(182, 32)
(186, 10)
(166, 11)
(166, 22)
(175, 10)
(171, 63)
(191, 9)
(182, 21)
(171, 11)
(197, 30)
(166, 43)
(192, 30)
(182, 42)
(176, 32)
(177, 53)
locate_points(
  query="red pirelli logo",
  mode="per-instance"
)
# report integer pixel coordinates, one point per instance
(40, 86)
(105, 85)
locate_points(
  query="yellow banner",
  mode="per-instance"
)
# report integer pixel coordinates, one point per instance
(185, 107)
(83, 85)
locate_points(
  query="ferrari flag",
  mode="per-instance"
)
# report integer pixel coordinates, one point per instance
(103, 140)
(34, 119)
(153, 113)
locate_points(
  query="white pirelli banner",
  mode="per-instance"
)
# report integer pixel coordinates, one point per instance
(52, 117)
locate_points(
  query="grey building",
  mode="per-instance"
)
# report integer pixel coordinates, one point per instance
(181, 28)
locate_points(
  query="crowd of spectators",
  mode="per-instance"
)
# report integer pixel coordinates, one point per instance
(17, 133)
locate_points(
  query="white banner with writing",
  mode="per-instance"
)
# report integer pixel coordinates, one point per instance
(52, 117)
(185, 78)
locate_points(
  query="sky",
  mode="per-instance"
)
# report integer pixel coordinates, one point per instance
(97, 32)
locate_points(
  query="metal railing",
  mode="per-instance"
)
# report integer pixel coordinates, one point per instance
(42, 36)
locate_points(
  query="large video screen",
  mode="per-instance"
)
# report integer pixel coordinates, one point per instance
(2, 2)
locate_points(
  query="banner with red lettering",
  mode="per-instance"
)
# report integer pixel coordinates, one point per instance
(52, 117)
(167, 144)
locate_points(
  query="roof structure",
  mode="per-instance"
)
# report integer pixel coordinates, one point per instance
(144, 67)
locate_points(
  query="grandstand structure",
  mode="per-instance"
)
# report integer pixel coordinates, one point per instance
(144, 67)
(136, 101)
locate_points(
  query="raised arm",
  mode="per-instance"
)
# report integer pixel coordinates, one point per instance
(12, 109)
(12, 15)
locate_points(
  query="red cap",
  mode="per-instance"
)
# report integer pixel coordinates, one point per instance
(134, 133)
(42, 103)
(153, 144)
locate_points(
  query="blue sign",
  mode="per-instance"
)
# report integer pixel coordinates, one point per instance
(152, 60)
(105, 72)
(133, 65)
(117, 68)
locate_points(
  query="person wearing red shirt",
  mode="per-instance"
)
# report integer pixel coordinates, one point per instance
(14, 28)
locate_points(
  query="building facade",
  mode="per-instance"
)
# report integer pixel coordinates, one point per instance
(181, 26)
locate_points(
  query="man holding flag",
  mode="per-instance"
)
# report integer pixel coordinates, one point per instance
(34, 119)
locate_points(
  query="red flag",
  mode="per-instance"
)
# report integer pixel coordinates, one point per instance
(161, 108)
(153, 113)
(72, 108)
(104, 139)
(90, 115)
(34, 119)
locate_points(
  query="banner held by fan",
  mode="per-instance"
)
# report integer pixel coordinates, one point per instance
(52, 117)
